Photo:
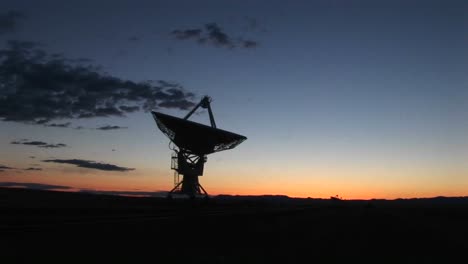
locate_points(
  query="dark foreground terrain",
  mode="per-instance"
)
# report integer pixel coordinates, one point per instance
(59, 227)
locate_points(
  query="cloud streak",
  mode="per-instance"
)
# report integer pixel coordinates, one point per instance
(63, 125)
(33, 169)
(39, 144)
(36, 88)
(214, 35)
(3, 167)
(90, 164)
(187, 34)
(45, 187)
(108, 127)
(9, 21)
(31, 185)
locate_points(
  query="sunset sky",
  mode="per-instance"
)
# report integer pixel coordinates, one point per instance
(361, 99)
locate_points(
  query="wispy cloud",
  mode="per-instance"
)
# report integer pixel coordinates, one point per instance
(108, 127)
(42, 186)
(64, 125)
(90, 164)
(214, 35)
(39, 144)
(3, 167)
(33, 169)
(32, 185)
(187, 34)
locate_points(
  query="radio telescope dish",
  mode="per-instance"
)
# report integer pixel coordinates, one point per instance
(194, 141)
(195, 137)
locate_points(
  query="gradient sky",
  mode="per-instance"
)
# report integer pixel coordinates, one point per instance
(364, 99)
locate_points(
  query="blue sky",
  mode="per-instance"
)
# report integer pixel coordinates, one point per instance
(336, 97)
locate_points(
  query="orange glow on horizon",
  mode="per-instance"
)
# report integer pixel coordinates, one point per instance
(313, 188)
(349, 182)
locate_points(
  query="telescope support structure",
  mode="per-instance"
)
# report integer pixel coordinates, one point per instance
(191, 167)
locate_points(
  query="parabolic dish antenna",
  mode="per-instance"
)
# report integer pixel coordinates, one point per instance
(193, 141)
(195, 137)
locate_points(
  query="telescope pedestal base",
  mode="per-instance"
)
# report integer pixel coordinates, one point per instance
(190, 187)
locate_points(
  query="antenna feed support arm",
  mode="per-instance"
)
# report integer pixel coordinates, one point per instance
(204, 103)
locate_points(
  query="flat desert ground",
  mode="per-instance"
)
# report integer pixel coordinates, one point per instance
(63, 227)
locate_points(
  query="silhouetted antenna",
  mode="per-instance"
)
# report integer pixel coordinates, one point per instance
(194, 142)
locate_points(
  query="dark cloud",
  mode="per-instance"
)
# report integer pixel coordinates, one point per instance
(3, 167)
(31, 185)
(58, 125)
(187, 34)
(217, 36)
(9, 21)
(41, 121)
(213, 34)
(129, 109)
(33, 169)
(39, 144)
(90, 164)
(110, 127)
(37, 88)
